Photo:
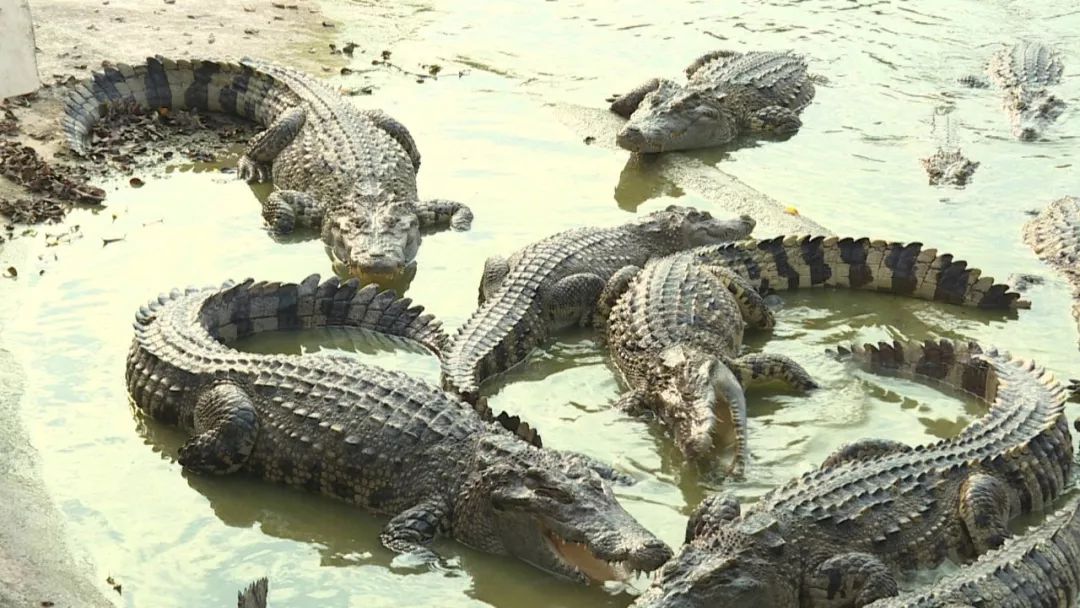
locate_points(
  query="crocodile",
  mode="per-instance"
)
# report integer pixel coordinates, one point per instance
(254, 596)
(1023, 71)
(949, 167)
(1040, 569)
(382, 440)
(837, 535)
(1054, 235)
(727, 94)
(674, 331)
(554, 284)
(676, 327)
(349, 172)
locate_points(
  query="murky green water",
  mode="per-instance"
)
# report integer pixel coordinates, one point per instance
(495, 139)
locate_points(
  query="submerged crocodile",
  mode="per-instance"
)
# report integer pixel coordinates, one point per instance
(554, 283)
(1040, 569)
(1023, 71)
(378, 439)
(949, 167)
(1054, 234)
(675, 332)
(727, 94)
(676, 327)
(837, 535)
(351, 172)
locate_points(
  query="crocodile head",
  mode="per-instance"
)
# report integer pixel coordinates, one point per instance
(737, 563)
(686, 227)
(376, 242)
(554, 510)
(692, 388)
(675, 118)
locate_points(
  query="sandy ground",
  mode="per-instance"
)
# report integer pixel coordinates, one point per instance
(74, 36)
(36, 565)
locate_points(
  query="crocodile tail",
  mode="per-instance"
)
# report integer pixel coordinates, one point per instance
(254, 596)
(249, 308)
(246, 89)
(489, 343)
(798, 262)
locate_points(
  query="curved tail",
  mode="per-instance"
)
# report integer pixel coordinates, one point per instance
(247, 89)
(797, 262)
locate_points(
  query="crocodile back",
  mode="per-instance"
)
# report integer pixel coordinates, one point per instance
(901, 505)
(1026, 64)
(779, 77)
(1054, 234)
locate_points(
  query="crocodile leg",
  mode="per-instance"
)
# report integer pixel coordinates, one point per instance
(850, 580)
(606, 472)
(984, 509)
(495, 270)
(439, 213)
(572, 299)
(864, 449)
(775, 119)
(226, 426)
(624, 105)
(398, 131)
(412, 529)
(752, 306)
(632, 402)
(706, 58)
(764, 367)
(283, 210)
(714, 511)
(254, 165)
(614, 288)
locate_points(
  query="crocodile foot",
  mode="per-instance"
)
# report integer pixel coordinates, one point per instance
(252, 171)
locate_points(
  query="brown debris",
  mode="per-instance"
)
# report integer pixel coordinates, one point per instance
(54, 187)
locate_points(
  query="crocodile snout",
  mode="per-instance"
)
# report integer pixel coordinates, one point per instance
(630, 138)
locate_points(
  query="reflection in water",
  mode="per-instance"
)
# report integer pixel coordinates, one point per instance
(641, 180)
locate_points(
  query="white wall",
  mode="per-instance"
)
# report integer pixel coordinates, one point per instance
(18, 65)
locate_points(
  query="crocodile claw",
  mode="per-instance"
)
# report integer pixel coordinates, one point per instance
(252, 171)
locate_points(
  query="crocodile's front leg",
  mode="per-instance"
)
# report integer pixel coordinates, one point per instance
(439, 213)
(614, 288)
(764, 367)
(495, 270)
(624, 105)
(775, 119)
(254, 165)
(751, 305)
(398, 131)
(284, 210)
(713, 512)
(572, 300)
(413, 529)
(226, 425)
(850, 580)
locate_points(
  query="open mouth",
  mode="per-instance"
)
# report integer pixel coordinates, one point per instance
(579, 557)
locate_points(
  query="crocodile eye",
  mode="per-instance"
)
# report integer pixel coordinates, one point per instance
(556, 494)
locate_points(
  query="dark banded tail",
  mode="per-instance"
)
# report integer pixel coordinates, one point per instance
(799, 262)
(241, 89)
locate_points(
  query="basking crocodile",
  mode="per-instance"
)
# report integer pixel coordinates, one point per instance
(835, 536)
(727, 94)
(949, 167)
(351, 172)
(554, 283)
(1023, 71)
(1040, 569)
(1054, 234)
(675, 332)
(378, 439)
(254, 596)
(676, 327)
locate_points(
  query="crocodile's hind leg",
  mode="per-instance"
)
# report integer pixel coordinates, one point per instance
(398, 131)
(624, 105)
(632, 402)
(985, 509)
(864, 449)
(254, 165)
(439, 213)
(713, 512)
(752, 306)
(764, 367)
(572, 300)
(226, 426)
(413, 529)
(614, 289)
(706, 58)
(850, 579)
(495, 270)
(284, 210)
(776, 120)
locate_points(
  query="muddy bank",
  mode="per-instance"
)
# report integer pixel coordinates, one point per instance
(37, 568)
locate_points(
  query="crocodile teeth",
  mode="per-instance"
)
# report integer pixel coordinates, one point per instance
(579, 556)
